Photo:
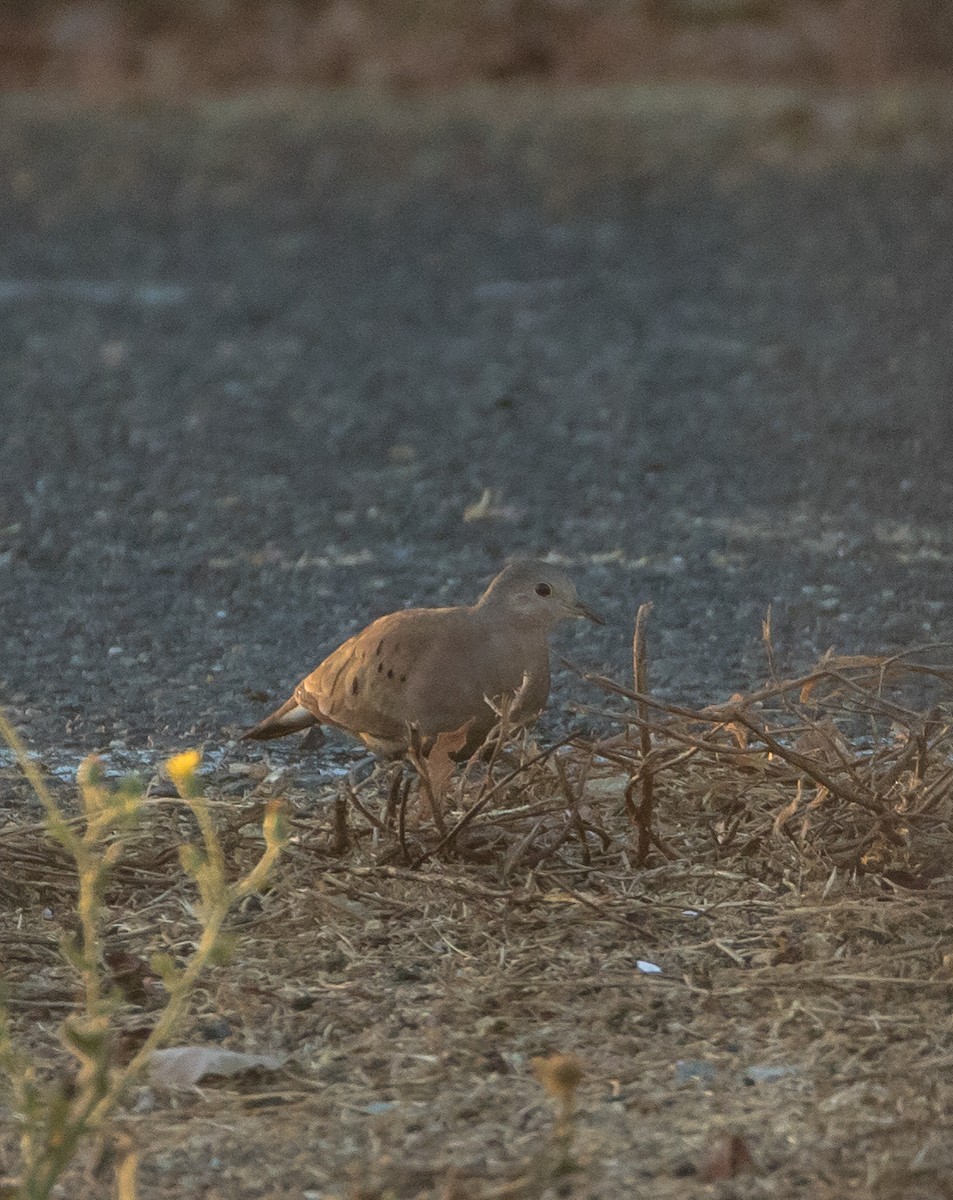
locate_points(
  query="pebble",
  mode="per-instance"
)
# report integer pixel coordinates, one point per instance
(694, 1070)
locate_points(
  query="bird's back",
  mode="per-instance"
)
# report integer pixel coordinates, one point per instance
(428, 667)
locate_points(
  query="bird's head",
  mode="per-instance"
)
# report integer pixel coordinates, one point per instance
(536, 592)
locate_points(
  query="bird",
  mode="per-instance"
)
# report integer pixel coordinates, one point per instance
(421, 672)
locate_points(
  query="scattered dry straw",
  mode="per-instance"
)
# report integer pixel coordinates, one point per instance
(796, 896)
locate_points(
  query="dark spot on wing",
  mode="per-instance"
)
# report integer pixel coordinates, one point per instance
(355, 686)
(403, 679)
(380, 647)
(380, 667)
(390, 674)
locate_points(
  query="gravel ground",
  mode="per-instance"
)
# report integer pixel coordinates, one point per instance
(259, 361)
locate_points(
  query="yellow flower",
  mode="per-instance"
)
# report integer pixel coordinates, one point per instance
(182, 768)
(560, 1075)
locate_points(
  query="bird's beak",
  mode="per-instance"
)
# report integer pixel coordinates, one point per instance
(579, 610)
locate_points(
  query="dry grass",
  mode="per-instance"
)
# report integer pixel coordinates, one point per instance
(796, 897)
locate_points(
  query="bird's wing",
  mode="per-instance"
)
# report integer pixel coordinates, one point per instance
(429, 667)
(362, 686)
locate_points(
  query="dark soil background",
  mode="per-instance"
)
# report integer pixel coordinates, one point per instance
(258, 362)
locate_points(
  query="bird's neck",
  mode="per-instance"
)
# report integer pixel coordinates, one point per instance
(501, 616)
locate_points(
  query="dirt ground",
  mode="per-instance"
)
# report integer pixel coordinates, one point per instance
(762, 1010)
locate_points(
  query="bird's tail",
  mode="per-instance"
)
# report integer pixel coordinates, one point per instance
(290, 718)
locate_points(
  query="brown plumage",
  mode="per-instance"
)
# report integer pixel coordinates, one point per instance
(434, 668)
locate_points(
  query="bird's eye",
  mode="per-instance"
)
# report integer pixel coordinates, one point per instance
(543, 589)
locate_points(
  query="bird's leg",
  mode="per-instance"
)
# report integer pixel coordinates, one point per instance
(393, 794)
(340, 837)
(402, 817)
(418, 760)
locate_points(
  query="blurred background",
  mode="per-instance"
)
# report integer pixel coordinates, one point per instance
(313, 310)
(159, 47)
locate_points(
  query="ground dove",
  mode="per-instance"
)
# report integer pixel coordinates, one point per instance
(434, 669)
